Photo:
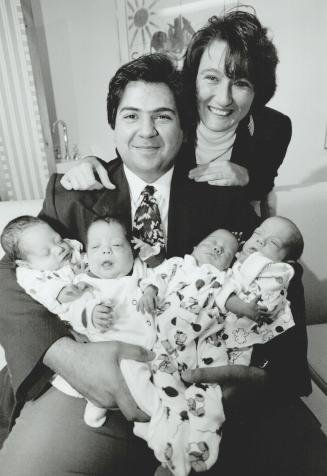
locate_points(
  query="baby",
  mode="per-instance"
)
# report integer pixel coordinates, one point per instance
(261, 270)
(46, 263)
(201, 322)
(110, 313)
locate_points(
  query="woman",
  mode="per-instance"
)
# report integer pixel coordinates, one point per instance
(234, 139)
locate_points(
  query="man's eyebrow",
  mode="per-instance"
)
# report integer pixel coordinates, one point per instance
(158, 109)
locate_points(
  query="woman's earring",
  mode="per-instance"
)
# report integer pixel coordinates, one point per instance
(251, 125)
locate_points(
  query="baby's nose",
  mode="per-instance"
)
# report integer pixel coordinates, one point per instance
(217, 249)
(106, 250)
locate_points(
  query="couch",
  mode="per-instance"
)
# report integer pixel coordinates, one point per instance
(307, 206)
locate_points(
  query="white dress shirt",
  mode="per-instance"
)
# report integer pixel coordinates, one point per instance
(162, 186)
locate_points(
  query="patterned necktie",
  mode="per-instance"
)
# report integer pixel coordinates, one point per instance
(148, 227)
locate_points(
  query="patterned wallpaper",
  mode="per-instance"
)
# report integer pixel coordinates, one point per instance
(23, 166)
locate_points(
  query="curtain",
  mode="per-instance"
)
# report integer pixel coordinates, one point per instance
(23, 164)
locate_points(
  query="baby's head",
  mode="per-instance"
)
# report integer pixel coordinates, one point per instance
(217, 249)
(277, 238)
(32, 243)
(108, 248)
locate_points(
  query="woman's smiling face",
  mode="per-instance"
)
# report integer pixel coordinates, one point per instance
(222, 102)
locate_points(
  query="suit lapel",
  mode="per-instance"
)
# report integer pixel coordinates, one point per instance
(179, 216)
(115, 203)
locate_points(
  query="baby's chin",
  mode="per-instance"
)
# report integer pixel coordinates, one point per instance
(243, 254)
(219, 266)
(108, 272)
(108, 275)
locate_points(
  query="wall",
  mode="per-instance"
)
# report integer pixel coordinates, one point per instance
(83, 52)
(300, 34)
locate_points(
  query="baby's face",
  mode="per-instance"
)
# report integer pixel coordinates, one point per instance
(108, 250)
(272, 239)
(43, 248)
(217, 249)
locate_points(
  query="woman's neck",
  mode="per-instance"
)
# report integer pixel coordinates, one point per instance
(212, 145)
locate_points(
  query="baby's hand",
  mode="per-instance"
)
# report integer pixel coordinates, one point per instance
(149, 301)
(71, 292)
(102, 316)
(256, 312)
(80, 267)
(146, 250)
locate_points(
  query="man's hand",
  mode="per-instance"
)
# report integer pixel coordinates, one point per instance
(223, 173)
(79, 337)
(93, 370)
(243, 387)
(149, 301)
(83, 176)
(71, 292)
(102, 316)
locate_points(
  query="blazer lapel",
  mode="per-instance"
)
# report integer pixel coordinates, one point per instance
(243, 146)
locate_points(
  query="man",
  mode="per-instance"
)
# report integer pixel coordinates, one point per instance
(145, 107)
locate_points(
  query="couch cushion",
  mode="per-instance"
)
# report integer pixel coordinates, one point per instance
(317, 354)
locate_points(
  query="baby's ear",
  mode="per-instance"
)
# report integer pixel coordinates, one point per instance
(22, 263)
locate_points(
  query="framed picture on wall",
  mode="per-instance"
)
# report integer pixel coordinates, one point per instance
(153, 26)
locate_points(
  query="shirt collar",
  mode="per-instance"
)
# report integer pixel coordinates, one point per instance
(137, 185)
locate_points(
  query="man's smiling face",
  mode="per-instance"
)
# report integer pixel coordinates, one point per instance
(148, 133)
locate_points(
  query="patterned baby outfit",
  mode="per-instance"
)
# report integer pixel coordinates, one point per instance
(195, 330)
(44, 286)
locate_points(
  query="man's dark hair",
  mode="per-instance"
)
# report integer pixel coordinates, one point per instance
(11, 234)
(250, 54)
(150, 68)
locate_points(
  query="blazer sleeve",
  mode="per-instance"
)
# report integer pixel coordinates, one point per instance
(27, 329)
(241, 215)
(272, 135)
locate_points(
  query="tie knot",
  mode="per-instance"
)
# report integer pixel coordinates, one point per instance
(149, 190)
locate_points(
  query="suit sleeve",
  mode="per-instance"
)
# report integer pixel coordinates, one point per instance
(27, 329)
(241, 215)
(271, 141)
